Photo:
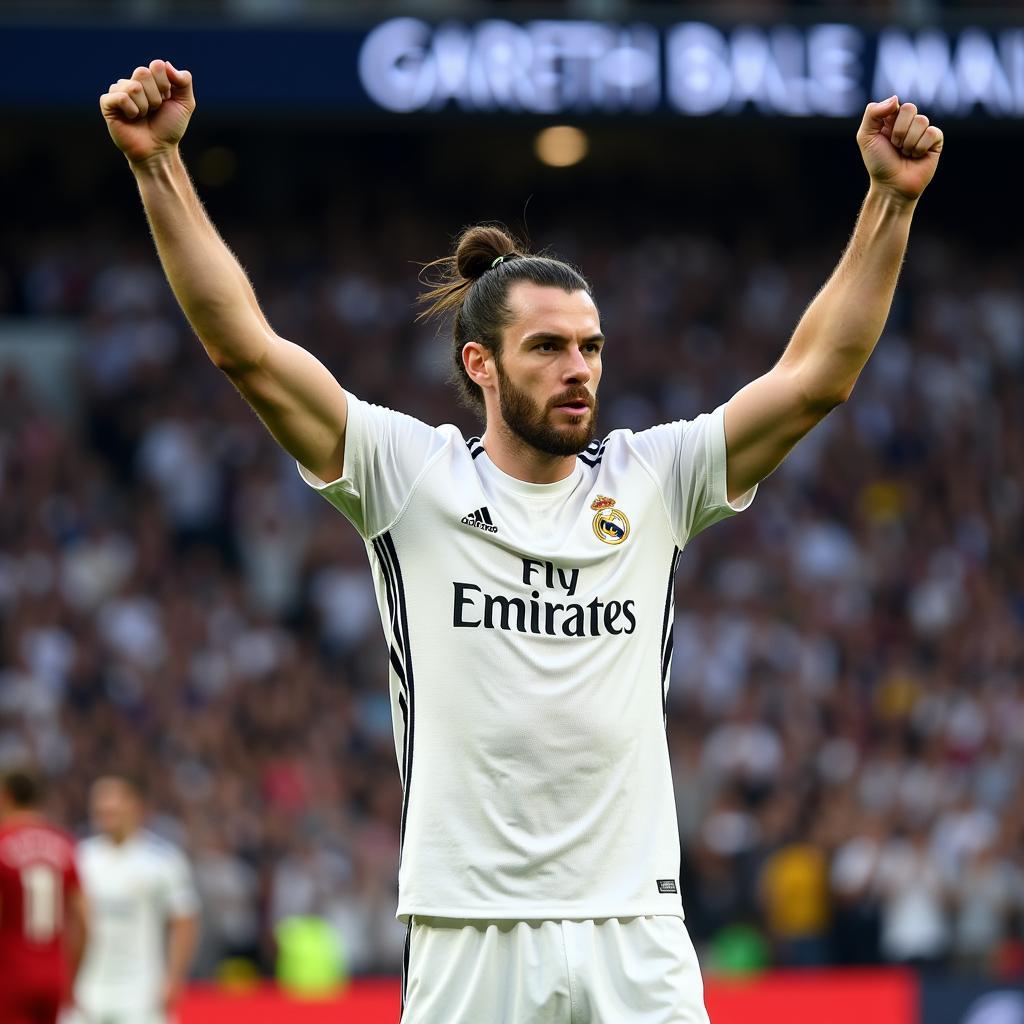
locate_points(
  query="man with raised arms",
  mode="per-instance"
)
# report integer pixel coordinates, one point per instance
(525, 578)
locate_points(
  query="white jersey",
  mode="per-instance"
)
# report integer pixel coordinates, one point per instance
(133, 890)
(530, 639)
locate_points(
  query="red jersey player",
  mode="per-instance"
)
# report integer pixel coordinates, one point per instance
(42, 911)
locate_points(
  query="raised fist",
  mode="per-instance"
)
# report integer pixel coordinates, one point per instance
(900, 147)
(149, 112)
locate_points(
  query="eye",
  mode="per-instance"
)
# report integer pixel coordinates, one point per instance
(546, 346)
(593, 346)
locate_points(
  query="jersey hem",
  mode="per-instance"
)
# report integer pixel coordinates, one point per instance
(549, 913)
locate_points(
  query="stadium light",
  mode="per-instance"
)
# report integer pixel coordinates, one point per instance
(561, 146)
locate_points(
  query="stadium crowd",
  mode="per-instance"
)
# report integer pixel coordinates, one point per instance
(846, 714)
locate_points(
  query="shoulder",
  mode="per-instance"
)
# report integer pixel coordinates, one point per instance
(370, 417)
(624, 449)
(158, 848)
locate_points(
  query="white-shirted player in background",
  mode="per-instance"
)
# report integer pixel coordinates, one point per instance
(144, 913)
(525, 579)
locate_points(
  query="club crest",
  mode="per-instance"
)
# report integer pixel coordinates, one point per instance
(610, 524)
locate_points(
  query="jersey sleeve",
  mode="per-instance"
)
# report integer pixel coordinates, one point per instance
(178, 894)
(385, 453)
(689, 459)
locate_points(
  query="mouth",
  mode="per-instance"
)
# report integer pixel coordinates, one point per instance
(573, 405)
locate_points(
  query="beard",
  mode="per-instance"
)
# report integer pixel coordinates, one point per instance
(530, 423)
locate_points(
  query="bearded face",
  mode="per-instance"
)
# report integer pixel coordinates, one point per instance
(547, 428)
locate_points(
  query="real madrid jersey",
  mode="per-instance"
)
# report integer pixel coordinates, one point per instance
(529, 629)
(133, 889)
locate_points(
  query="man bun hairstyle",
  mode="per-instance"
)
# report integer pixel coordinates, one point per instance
(472, 285)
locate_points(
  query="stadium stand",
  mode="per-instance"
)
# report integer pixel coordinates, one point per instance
(846, 716)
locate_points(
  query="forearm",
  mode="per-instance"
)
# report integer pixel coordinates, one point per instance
(207, 280)
(76, 951)
(841, 327)
(181, 943)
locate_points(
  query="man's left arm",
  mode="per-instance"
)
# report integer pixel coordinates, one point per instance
(182, 936)
(839, 330)
(181, 906)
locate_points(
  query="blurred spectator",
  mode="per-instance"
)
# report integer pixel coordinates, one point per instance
(794, 889)
(856, 891)
(915, 918)
(229, 900)
(990, 889)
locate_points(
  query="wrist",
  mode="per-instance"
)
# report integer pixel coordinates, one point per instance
(161, 161)
(889, 200)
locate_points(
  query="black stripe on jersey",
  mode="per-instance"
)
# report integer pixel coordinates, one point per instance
(593, 453)
(396, 632)
(666, 660)
(487, 516)
(405, 732)
(388, 546)
(405, 966)
(475, 446)
(667, 630)
(396, 664)
(399, 658)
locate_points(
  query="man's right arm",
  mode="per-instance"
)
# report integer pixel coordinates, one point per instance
(295, 395)
(77, 932)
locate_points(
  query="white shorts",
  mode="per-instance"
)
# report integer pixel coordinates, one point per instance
(96, 1015)
(637, 970)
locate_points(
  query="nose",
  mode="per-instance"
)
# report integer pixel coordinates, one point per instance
(576, 370)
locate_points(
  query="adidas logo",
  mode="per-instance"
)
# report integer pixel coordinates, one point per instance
(481, 519)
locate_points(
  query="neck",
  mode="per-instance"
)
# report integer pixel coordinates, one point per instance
(121, 836)
(512, 455)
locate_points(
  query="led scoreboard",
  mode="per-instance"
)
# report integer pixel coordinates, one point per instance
(402, 67)
(693, 68)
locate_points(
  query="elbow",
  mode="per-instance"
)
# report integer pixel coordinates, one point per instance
(237, 361)
(822, 399)
(823, 404)
(230, 365)
(225, 363)
(843, 395)
(819, 392)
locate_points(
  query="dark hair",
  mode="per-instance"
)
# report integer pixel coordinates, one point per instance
(24, 788)
(473, 286)
(131, 781)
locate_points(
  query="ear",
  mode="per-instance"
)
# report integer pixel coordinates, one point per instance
(479, 363)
